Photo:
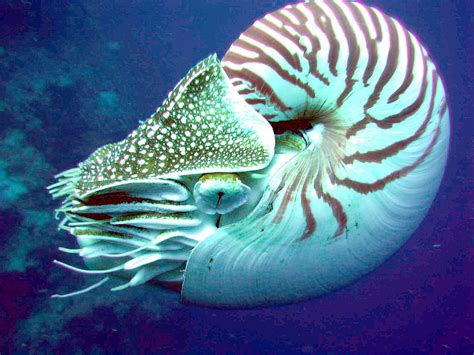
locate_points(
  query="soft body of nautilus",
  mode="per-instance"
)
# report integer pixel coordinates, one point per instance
(293, 167)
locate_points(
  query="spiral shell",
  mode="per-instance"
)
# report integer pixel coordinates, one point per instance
(375, 120)
(357, 151)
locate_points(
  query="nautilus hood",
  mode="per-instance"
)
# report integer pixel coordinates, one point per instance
(204, 126)
(295, 166)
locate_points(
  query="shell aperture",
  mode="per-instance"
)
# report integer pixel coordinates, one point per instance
(361, 128)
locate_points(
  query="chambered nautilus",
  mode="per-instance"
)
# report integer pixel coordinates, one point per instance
(297, 164)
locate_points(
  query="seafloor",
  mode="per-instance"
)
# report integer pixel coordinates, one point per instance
(78, 74)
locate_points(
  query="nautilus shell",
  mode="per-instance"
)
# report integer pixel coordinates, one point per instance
(297, 164)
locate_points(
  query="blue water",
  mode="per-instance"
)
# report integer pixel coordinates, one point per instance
(79, 74)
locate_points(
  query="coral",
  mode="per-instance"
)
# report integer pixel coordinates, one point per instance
(56, 105)
(108, 103)
(23, 176)
(74, 316)
(24, 171)
(113, 46)
(12, 189)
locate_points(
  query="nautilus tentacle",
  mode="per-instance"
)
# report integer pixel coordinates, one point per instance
(130, 203)
(297, 165)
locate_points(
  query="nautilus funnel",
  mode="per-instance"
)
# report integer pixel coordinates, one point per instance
(336, 138)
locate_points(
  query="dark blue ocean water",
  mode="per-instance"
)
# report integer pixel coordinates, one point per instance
(78, 74)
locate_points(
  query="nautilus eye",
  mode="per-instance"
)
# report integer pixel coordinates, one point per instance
(220, 193)
(296, 165)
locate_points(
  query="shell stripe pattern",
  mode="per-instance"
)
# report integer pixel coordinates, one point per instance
(382, 96)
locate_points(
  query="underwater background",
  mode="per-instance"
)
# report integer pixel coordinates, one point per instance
(76, 74)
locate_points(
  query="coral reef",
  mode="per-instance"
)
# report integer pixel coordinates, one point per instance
(55, 100)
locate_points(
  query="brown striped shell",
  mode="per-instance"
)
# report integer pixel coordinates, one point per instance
(364, 96)
(357, 112)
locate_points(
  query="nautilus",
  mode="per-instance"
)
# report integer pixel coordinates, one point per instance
(290, 168)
